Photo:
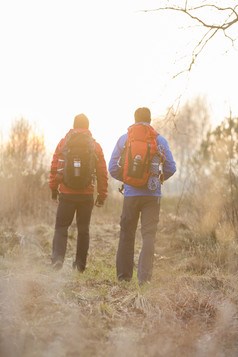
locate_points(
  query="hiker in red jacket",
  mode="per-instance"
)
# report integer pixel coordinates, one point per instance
(77, 163)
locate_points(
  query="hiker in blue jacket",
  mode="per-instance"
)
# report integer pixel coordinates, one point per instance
(139, 201)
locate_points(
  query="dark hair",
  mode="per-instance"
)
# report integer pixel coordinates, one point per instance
(81, 122)
(142, 114)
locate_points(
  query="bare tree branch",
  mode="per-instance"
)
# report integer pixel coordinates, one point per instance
(229, 38)
(186, 11)
(224, 18)
(186, 3)
(217, 8)
(212, 27)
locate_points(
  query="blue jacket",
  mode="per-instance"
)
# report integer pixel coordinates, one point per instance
(169, 168)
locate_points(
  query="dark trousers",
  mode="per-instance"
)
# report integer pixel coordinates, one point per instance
(68, 205)
(148, 207)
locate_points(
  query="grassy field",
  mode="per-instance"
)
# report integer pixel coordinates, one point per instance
(189, 309)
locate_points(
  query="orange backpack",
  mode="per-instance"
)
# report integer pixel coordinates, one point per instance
(140, 147)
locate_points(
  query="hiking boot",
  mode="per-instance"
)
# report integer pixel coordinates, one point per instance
(79, 267)
(57, 265)
(144, 282)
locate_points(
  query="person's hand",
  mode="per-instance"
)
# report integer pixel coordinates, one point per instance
(99, 203)
(54, 196)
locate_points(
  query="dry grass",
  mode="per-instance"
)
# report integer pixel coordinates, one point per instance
(189, 309)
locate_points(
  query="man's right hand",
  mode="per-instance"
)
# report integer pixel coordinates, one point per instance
(99, 203)
(54, 196)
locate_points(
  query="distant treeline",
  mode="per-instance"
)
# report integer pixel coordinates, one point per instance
(206, 179)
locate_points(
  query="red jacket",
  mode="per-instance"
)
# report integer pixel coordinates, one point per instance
(101, 172)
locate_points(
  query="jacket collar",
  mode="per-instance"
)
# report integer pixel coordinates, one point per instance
(79, 130)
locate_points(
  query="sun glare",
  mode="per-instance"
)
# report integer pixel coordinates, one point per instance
(105, 61)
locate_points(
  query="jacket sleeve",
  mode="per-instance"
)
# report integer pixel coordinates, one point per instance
(169, 165)
(101, 173)
(113, 168)
(53, 184)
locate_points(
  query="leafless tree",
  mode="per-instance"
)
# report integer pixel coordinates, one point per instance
(23, 175)
(185, 135)
(213, 17)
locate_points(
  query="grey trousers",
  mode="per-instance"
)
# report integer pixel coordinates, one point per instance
(69, 204)
(148, 207)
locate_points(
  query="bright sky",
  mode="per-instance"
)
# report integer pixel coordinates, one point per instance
(103, 58)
